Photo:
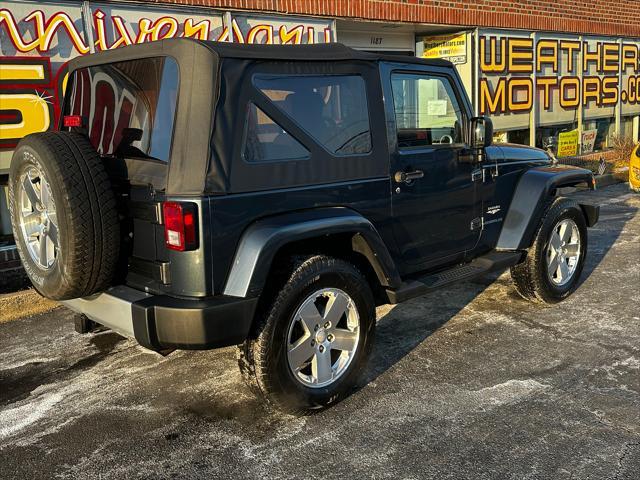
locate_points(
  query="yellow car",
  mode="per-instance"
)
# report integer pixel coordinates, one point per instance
(634, 169)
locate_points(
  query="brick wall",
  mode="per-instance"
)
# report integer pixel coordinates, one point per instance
(606, 17)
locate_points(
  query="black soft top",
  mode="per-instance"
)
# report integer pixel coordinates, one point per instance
(317, 52)
(202, 152)
(184, 48)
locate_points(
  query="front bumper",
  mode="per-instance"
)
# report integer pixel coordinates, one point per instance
(160, 322)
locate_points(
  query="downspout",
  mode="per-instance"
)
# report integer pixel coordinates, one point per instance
(475, 71)
(580, 112)
(533, 114)
(619, 103)
(228, 24)
(87, 25)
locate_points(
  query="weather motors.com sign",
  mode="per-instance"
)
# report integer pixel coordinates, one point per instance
(564, 72)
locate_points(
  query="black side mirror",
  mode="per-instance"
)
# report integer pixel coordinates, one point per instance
(481, 132)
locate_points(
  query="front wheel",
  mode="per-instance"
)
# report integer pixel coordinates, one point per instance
(551, 270)
(314, 339)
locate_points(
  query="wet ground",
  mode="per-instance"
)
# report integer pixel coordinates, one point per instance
(468, 382)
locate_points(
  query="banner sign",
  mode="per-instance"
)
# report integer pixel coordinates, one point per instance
(588, 140)
(450, 47)
(568, 144)
(37, 40)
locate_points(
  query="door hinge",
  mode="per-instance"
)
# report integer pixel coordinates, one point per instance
(477, 223)
(477, 174)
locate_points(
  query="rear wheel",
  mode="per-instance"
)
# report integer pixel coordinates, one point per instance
(551, 270)
(314, 338)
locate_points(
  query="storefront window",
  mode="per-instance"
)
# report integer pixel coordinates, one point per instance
(605, 128)
(547, 136)
(518, 136)
(627, 127)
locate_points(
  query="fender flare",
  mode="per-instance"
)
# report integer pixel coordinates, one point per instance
(529, 199)
(264, 238)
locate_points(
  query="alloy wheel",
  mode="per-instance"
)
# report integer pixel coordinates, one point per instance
(323, 337)
(563, 252)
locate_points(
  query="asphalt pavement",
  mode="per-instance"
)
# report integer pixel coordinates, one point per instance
(468, 382)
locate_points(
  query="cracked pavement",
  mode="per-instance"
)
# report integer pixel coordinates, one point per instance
(466, 382)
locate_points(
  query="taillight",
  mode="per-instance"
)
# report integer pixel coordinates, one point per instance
(180, 225)
(72, 121)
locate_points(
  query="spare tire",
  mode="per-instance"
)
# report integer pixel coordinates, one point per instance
(63, 214)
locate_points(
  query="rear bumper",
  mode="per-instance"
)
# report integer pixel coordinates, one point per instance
(159, 322)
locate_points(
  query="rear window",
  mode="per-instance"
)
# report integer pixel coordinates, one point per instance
(128, 107)
(330, 108)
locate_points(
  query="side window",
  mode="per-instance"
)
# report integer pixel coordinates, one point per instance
(266, 141)
(426, 110)
(330, 108)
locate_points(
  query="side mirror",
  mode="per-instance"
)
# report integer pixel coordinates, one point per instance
(481, 132)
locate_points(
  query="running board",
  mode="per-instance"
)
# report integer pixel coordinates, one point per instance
(487, 263)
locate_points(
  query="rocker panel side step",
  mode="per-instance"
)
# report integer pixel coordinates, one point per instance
(478, 267)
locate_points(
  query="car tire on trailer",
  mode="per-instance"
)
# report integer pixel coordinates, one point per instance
(551, 270)
(313, 339)
(63, 214)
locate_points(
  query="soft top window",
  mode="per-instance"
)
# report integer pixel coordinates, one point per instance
(330, 108)
(266, 141)
(128, 107)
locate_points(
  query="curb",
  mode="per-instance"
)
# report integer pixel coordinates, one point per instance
(607, 179)
(9, 257)
(12, 275)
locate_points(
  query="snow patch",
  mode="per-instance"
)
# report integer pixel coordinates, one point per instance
(509, 391)
(18, 418)
(631, 362)
(28, 361)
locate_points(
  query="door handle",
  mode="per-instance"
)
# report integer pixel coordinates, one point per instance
(408, 177)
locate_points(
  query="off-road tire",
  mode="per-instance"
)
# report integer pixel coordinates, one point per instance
(263, 357)
(530, 276)
(88, 223)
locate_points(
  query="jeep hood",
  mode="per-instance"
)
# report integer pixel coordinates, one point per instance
(512, 152)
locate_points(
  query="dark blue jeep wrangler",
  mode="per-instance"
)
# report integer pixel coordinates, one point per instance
(203, 194)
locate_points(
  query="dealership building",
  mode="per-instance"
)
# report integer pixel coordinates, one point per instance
(556, 74)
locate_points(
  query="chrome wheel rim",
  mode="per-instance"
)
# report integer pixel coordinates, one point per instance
(563, 252)
(322, 338)
(37, 217)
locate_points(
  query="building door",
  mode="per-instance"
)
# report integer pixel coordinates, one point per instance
(436, 202)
